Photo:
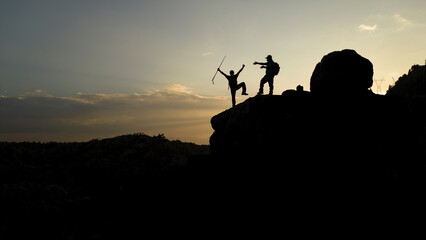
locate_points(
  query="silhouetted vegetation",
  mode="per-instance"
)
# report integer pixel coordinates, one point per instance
(411, 89)
(413, 83)
(72, 190)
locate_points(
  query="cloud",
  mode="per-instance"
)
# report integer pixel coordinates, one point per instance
(174, 111)
(38, 92)
(205, 54)
(389, 23)
(401, 19)
(176, 88)
(367, 28)
(401, 22)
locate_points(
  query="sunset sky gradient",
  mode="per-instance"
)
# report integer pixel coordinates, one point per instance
(79, 70)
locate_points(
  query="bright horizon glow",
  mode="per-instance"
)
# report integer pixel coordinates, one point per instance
(97, 63)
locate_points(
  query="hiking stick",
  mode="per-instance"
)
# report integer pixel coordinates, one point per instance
(218, 69)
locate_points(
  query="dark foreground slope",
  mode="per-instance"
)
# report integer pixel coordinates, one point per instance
(91, 190)
(275, 161)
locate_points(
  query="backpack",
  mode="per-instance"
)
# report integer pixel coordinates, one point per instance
(276, 68)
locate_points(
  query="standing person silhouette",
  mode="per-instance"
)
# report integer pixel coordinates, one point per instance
(233, 84)
(270, 66)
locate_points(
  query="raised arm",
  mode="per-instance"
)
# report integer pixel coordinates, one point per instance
(241, 69)
(221, 72)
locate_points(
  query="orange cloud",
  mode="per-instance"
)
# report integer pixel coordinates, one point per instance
(174, 111)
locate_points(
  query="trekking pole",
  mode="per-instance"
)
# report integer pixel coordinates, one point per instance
(218, 69)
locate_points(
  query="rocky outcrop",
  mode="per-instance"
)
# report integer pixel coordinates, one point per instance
(301, 124)
(260, 124)
(298, 121)
(362, 145)
(353, 140)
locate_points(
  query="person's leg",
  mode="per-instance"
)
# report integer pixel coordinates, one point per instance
(243, 86)
(233, 97)
(262, 82)
(271, 85)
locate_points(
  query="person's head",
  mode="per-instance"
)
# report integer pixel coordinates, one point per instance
(231, 72)
(269, 58)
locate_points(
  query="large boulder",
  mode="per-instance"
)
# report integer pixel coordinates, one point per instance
(342, 72)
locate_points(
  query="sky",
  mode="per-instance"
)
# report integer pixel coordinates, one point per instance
(80, 70)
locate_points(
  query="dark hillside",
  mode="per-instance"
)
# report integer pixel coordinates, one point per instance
(77, 190)
(413, 83)
(411, 89)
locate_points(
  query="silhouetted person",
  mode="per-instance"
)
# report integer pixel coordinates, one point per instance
(271, 70)
(233, 84)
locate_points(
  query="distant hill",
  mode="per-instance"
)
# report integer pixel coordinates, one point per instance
(137, 153)
(413, 83)
(74, 190)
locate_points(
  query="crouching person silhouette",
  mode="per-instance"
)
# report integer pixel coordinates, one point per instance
(233, 84)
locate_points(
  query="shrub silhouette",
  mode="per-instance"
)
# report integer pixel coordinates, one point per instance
(413, 83)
